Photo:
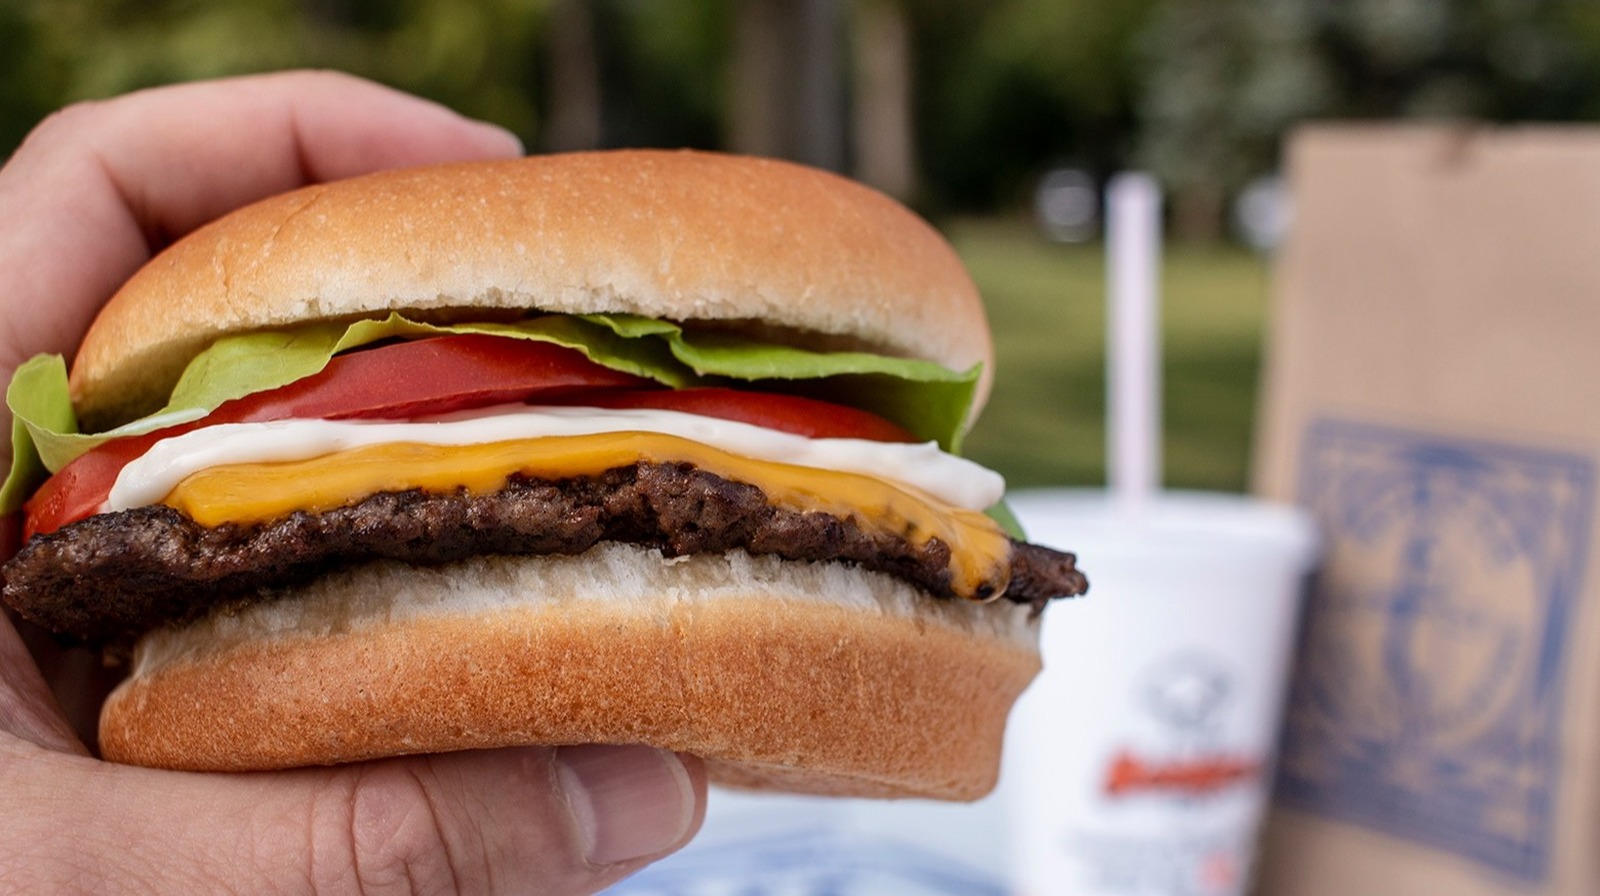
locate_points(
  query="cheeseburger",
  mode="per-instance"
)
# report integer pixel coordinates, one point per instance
(621, 447)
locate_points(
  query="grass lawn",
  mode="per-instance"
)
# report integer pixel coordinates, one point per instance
(1044, 424)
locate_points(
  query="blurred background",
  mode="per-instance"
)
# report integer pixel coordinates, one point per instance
(998, 119)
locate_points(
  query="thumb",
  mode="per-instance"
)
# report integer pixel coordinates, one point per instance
(517, 820)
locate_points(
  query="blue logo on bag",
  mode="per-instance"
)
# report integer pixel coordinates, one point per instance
(1426, 703)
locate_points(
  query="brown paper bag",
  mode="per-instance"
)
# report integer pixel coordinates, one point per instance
(1433, 396)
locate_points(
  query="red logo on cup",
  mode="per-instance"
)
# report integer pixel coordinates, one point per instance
(1197, 776)
(1186, 692)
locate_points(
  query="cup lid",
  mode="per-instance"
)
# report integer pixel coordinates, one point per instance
(1172, 523)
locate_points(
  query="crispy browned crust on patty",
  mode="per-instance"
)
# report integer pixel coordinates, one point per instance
(127, 572)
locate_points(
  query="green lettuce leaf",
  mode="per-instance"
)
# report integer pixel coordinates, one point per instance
(39, 400)
(1007, 518)
(931, 401)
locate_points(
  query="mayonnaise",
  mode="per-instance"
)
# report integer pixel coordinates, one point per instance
(923, 466)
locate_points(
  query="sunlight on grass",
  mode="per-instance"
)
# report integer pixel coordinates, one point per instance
(1045, 421)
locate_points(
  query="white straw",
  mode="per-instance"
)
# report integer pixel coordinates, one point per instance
(1133, 374)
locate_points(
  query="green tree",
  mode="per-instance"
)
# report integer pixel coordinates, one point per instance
(1226, 79)
(477, 56)
(1006, 89)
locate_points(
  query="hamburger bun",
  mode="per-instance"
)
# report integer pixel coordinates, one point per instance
(690, 236)
(805, 677)
(814, 675)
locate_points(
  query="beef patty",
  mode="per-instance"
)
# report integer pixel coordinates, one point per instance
(106, 576)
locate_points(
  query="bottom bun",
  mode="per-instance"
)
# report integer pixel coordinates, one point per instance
(806, 677)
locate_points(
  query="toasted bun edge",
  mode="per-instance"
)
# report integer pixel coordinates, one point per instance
(808, 677)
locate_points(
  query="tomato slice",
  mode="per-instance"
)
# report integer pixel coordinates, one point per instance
(77, 490)
(428, 376)
(439, 375)
(394, 381)
(785, 413)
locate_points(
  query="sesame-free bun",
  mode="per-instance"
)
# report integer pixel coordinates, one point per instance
(798, 253)
(814, 677)
(808, 677)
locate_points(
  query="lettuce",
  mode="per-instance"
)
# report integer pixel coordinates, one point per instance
(39, 402)
(1007, 518)
(931, 401)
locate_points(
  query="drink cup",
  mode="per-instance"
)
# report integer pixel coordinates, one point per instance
(1138, 763)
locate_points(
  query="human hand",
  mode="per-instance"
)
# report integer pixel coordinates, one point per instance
(88, 197)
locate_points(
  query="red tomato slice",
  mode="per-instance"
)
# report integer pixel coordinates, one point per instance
(440, 375)
(428, 376)
(395, 381)
(785, 413)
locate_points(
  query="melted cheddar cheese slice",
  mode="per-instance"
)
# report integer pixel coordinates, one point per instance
(259, 492)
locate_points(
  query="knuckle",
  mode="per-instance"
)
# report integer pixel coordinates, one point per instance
(64, 124)
(398, 840)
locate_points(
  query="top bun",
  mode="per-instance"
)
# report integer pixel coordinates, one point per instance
(806, 256)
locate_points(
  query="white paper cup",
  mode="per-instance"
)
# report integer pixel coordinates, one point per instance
(1138, 764)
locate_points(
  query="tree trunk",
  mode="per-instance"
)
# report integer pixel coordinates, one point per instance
(574, 118)
(787, 84)
(1198, 212)
(885, 154)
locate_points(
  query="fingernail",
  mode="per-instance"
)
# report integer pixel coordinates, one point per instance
(627, 802)
(505, 135)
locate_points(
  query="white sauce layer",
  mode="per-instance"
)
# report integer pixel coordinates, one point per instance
(923, 466)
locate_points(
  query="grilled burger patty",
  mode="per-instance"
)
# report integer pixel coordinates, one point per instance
(133, 570)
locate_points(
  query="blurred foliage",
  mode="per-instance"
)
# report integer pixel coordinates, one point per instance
(1008, 88)
(1045, 420)
(1224, 79)
(663, 71)
(470, 54)
(1199, 90)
